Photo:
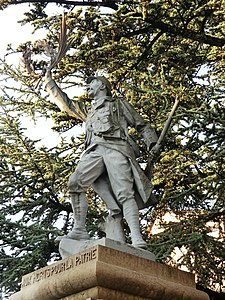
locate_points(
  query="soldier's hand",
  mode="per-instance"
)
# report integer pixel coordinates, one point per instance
(155, 149)
(151, 156)
(153, 153)
(48, 73)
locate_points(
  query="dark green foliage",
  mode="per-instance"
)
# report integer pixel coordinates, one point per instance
(153, 52)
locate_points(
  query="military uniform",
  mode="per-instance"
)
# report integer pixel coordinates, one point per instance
(109, 162)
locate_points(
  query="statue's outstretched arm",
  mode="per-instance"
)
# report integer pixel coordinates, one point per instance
(74, 109)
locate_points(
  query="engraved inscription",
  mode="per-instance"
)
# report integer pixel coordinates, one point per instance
(67, 264)
(85, 257)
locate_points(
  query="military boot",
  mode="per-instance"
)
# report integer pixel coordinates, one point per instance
(131, 214)
(80, 207)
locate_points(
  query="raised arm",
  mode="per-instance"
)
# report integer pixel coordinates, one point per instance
(74, 109)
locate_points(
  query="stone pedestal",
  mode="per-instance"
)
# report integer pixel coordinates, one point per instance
(106, 273)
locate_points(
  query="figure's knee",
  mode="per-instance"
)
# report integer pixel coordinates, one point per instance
(75, 183)
(125, 197)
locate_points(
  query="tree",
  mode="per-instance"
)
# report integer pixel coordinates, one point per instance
(67, 3)
(153, 52)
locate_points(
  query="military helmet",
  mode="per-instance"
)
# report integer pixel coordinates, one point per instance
(103, 79)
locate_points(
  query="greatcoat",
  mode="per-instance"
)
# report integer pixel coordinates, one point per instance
(107, 123)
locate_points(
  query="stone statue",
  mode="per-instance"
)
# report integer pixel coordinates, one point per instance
(108, 163)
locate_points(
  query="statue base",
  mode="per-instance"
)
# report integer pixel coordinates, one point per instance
(68, 247)
(104, 273)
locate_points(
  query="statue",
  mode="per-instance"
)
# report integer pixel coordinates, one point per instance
(108, 163)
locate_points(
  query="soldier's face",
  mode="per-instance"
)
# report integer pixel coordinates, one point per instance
(94, 87)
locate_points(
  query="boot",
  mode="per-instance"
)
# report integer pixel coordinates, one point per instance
(80, 207)
(131, 214)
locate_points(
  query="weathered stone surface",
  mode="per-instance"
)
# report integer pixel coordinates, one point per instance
(104, 273)
(99, 293)
(68, 247)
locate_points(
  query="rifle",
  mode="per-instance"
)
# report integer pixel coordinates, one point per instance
(155, 150)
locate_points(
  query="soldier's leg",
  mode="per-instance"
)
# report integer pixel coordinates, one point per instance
(90, 167)
(131, 214)
(122, 183)
(80, 207)
(103, 188)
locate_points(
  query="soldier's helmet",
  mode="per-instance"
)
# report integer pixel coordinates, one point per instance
(102, 79)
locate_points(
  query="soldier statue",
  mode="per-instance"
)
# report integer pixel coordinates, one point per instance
(108, 163)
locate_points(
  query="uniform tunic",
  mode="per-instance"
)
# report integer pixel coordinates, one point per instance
(109, 162)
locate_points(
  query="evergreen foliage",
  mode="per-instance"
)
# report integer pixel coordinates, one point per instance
(153, 52)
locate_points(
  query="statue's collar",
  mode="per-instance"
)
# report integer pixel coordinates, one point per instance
(98, 103)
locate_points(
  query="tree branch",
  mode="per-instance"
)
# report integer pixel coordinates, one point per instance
(185, 33)
(157, 24)
(105, 3)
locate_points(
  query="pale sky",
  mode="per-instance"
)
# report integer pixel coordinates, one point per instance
(13, 32)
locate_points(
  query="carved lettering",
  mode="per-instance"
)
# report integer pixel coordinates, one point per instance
(70, 263)
(85, 257)
(27, 281)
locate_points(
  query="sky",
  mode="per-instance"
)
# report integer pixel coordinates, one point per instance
(15, 34)
(12, 32)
